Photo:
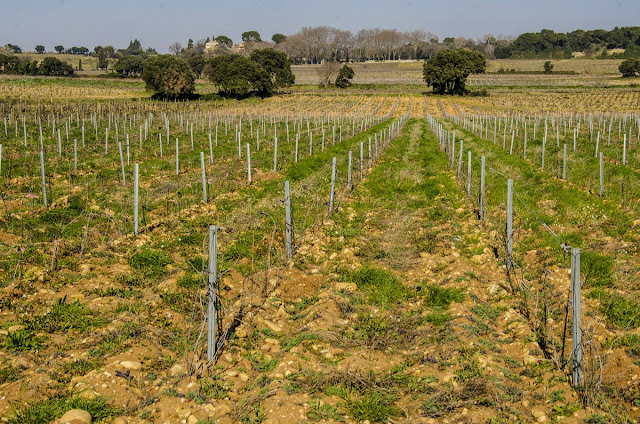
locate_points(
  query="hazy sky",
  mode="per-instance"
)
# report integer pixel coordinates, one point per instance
(158, 23)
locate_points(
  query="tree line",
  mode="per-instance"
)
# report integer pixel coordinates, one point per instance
(261, 74)
(549, 44)
(318, 44)
(50, 66)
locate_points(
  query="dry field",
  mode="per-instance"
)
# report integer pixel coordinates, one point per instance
(89, 63)
(591, 72)
(398, 305)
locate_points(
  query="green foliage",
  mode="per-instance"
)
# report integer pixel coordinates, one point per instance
(77, 50)
(9, 374)
(382, 287)
(448, 70)
(261, 363)
(59, 48)
(115, 340)
(39, 49)
(620, 310)
(215, 387)
(371, 328)
(150, 262)
(485, 311)
(197, 63)
(251, 36)
(237, 76)
(129, 66)
(278, 38)
(469, 369)
(597, 419)
(169, 76)
(631, 341)
(427, 242)
(189, 281)
(296, 340)
(14, 48)
(597, 269)
(134, 49)
(79, 367)
(440, 297)
(345, 75)
(22, 340)
(374, 406)
(277, 64)
(63, 316)
(102, 59)
(323, 412)
(548, 67)
(223, 39)
(629, 68)
(52, 66)
(438, 318)
(45, 411)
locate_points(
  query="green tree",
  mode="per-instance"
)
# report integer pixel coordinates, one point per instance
(129, 66)
(39, 49)
(15, 48)
(54, 67)
(345, 75)
(223, 39)
(102, 60)
(548, 67)
(237, 76)
(277, 64)
(135, 48)
(59, 49)
(278, 38)
(190, 44)
(251, 36)
(168, 76)
(448, 70)
(196, 62)
(629, 67)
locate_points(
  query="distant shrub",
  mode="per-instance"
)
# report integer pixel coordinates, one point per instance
(169, 77)
(629, 67)
(54, 67)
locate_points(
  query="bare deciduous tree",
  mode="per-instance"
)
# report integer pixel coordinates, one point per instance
(317, 44)
(175, 48)
(327, 72)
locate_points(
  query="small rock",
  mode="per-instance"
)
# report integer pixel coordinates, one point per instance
(87, 394)
(222, 409)
(15, 328)
(273, 326)
(176, 370)
(265, 347)
(243, 376)
(538, 414)
(192, 419)
(131, 365)
(348, 287)
(76, 416)
(119, 420)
